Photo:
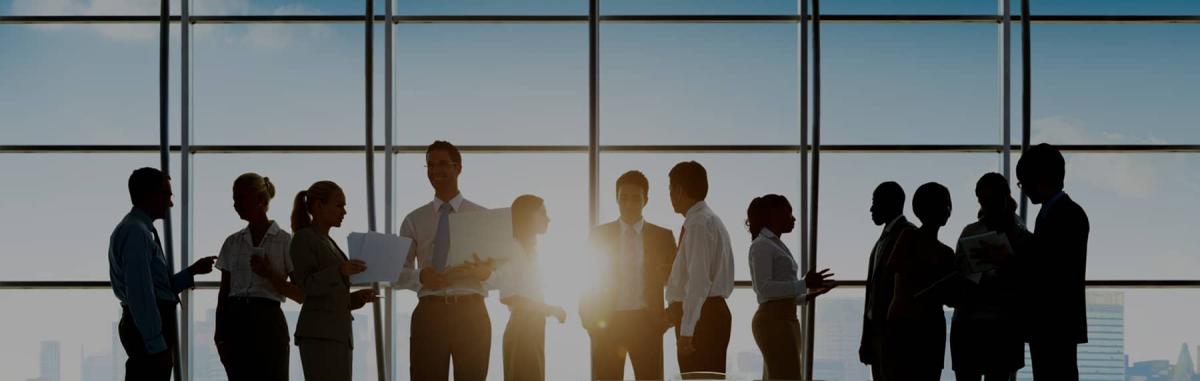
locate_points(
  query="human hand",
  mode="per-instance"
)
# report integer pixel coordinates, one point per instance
(475, 269)
(816, 279)
(557, 312)
(261, 266)
(432, 279)
(202, 266)
(353, 266)
(685, 345)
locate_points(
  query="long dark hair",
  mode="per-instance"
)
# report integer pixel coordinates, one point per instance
(998, 212)
(760, 211)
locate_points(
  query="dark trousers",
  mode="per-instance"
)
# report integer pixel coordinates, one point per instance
(142, 366)
(711, 338)
(450, 327)
(914, 350)
(524, 346)
(976, 376)
(1054, 360)
(637, 334)
(777, 333)
(254, 335)
(326, 360)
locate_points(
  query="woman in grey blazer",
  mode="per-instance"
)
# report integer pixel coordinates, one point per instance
(322, 271)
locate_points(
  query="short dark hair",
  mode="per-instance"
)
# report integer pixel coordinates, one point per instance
(145, 181)
(1043, 164)
(637, 178)
(442, 145)
(692, 177)
(890, 192)
(929, 197)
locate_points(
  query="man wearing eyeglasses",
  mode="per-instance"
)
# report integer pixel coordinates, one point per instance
(450, 320)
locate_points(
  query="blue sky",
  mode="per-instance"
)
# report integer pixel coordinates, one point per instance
(659, 84)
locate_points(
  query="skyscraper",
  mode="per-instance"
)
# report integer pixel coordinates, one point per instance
(50, 356)
(1184, 369)
(835, 357)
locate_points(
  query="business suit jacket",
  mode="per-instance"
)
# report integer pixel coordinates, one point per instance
(658, 247)
(325, 313)
(1053, 274)
(881, 282)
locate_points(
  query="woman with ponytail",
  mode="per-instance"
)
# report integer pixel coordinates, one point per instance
(773, 273)
(251, 332)
(322, 272)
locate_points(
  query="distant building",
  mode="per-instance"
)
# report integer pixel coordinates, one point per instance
(1183, 370)
(50, 361)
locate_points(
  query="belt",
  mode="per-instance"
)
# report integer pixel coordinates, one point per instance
(453, 299)
(251, 300)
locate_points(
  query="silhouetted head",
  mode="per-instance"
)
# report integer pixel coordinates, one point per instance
(150, 191)
(633, 190)
(323, 204)
(529, 217)
(994, 196)
(931, 204)
(1040, 172)
(252, 196)
(887, 202)
(771, 211)
(443, 164)
(688, 184)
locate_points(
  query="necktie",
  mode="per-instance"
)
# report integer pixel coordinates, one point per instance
(441, 242)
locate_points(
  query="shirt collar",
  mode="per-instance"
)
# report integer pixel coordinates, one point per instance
(271, 230)
(637, 226)
(141, 216)
(767, 233)
(700, 205)
(455, 203)
(1053, 199)
(895, 221)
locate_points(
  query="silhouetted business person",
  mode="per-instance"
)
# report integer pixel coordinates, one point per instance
(142, 280)
(450, 320)
(915, 346)
(1053, 268)
(702, 275)
(985, 339)
(251, 333)
(624, 315)
(773, 272)
(887, 210)
(520, 283)
(323, 331)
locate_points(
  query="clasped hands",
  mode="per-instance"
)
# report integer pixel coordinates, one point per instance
(474, 269)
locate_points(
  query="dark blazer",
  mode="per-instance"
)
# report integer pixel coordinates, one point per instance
(325, 313)
(880, 287)
(659, 249)
(1052, 275)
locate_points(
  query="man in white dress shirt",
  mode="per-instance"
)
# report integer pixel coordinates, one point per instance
(701, 276)
(450, 320)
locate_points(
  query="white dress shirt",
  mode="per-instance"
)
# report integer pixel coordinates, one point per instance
(703, 267)
(773, 270)
(520, 276)
(235, 259)
(421, 226)
(631, 264)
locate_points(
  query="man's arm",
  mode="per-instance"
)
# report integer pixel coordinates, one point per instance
(137, 252)
(696, 290)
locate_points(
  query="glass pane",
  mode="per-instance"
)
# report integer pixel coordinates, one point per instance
(838, 329)
(279, 84)
(1140, 208)
(734, 180)
(46, 336)
(83, 84)
(85, 8)
(281, 7)
(888, 84)
(43, 197)
(846, 233)
(495, 7)
(1115, 84)
(215, 218)
(207, 364)
(699, 84)
(533, 89)
(685, 7)
(1110, 7)
(902, 7)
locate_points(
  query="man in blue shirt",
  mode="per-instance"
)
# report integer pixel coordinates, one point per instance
(142, 279)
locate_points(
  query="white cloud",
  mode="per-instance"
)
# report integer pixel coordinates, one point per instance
(1125, 174)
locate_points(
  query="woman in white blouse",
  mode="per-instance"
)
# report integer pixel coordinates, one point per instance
(521, 290)
(251, 332)
(773, 272)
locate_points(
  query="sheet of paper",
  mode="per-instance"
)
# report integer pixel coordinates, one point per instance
(383, 253)
(973, 248)
(486, 233)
